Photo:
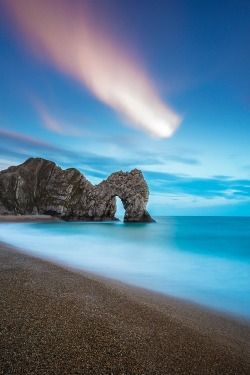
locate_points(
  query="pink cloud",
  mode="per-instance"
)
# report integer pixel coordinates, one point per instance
(63, 34)
(26, 139)
(53, 123)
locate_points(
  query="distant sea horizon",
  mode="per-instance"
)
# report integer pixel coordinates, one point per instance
(203, 259)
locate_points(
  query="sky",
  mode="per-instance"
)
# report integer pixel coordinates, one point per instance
(107, 85)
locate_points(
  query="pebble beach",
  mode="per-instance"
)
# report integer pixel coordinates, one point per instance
(56, 320)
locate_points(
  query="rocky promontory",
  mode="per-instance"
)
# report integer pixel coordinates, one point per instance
(39, 186)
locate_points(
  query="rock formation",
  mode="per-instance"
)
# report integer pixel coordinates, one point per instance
(39, 186)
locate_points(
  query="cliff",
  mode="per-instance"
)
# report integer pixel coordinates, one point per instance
(39, 186)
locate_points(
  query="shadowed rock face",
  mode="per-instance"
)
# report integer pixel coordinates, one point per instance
(39, 186)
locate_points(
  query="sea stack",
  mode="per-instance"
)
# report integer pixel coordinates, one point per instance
(39, 186)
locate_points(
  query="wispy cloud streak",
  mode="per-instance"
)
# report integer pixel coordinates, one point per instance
(21, 139)
(64, 35)
(53, 123)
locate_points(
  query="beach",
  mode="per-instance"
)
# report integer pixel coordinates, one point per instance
(56, 320)
(28, 219)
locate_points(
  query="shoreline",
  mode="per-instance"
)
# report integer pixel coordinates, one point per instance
(45, 219)
(15, 219)
(28, 219)
(56, 319)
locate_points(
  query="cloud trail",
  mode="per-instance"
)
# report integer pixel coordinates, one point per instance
(54, 124)
(64, 35)
(6, 135)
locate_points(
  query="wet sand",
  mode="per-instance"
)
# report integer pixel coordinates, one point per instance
(54, 320)
(27, 218)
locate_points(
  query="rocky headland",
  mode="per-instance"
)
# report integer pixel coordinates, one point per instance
(40, 187)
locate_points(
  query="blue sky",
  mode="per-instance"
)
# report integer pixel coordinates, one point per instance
(160, 86)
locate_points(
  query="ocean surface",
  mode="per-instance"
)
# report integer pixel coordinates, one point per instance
(202, 259)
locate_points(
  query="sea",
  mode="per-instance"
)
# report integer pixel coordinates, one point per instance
(205, 260)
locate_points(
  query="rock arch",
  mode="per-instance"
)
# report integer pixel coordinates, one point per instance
(133, 191)
(40, 186)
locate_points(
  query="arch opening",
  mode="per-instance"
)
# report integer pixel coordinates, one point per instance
(120, 210)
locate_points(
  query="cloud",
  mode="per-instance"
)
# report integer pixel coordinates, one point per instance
(54, 124)
(182, 159)
(16, 148)
(23, 140)
(246, 168)
(50, 122)
(64, 35)
(188, 200)
(222, 177)
(173, 194)
(158, 159)
(205, 188)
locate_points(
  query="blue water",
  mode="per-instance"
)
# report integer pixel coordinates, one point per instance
(202, 259)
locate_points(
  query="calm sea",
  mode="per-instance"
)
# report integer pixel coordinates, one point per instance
(202, 259)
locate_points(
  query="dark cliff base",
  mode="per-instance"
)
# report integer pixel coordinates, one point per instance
(55, 321)
(51, 218)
